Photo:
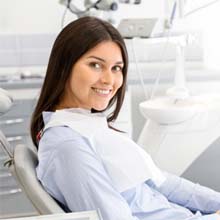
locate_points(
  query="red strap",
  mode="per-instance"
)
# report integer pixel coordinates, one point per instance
(39, 135)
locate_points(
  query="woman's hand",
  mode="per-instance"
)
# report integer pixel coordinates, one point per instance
(218, 212)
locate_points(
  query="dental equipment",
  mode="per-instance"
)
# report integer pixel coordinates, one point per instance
(182, 131)
(96, 7)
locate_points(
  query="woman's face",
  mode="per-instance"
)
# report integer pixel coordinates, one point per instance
(95, 78)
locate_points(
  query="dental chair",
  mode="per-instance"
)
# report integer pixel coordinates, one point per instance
(22, 164)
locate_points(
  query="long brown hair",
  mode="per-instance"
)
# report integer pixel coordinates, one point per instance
(73, 41)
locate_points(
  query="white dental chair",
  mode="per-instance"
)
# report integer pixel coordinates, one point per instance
(22, 165)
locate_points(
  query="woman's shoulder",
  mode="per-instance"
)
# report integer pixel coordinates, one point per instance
(56, 136)
(62, 140)
(60, 132)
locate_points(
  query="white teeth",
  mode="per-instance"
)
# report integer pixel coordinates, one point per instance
(102, 91)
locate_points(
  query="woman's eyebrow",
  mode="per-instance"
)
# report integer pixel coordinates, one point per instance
(98, 58)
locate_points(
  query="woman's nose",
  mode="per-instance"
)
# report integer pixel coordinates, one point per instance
(107, 77)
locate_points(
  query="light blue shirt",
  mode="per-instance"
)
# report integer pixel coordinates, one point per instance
(72, 172)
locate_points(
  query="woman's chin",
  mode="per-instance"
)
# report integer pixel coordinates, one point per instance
(100, 107)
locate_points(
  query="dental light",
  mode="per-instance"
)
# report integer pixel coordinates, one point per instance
(95, 5)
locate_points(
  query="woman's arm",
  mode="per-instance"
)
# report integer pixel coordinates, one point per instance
(188, 194)
(77, 177)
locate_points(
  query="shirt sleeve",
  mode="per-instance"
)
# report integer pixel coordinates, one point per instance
(80, 177)
(188, 194)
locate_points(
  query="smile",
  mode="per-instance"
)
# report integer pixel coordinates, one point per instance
(102, 91)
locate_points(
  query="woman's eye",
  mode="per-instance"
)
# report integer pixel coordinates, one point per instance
(117, 68)
(95, 65)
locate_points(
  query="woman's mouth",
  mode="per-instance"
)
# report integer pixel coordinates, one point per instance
(102, 91)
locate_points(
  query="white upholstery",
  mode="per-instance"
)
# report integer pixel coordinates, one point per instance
(23, 167)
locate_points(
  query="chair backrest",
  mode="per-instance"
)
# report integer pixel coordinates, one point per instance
(23, 167)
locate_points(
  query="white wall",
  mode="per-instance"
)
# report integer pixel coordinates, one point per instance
(208, 20)
(30, 16)
(205, 20)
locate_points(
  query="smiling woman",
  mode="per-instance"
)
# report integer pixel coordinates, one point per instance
(84, 163)
(95, 78)
(84, 63)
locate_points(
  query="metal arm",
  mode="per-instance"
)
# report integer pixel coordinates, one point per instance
(101, 5)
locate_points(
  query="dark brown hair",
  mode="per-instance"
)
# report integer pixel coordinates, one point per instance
(73, 41)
